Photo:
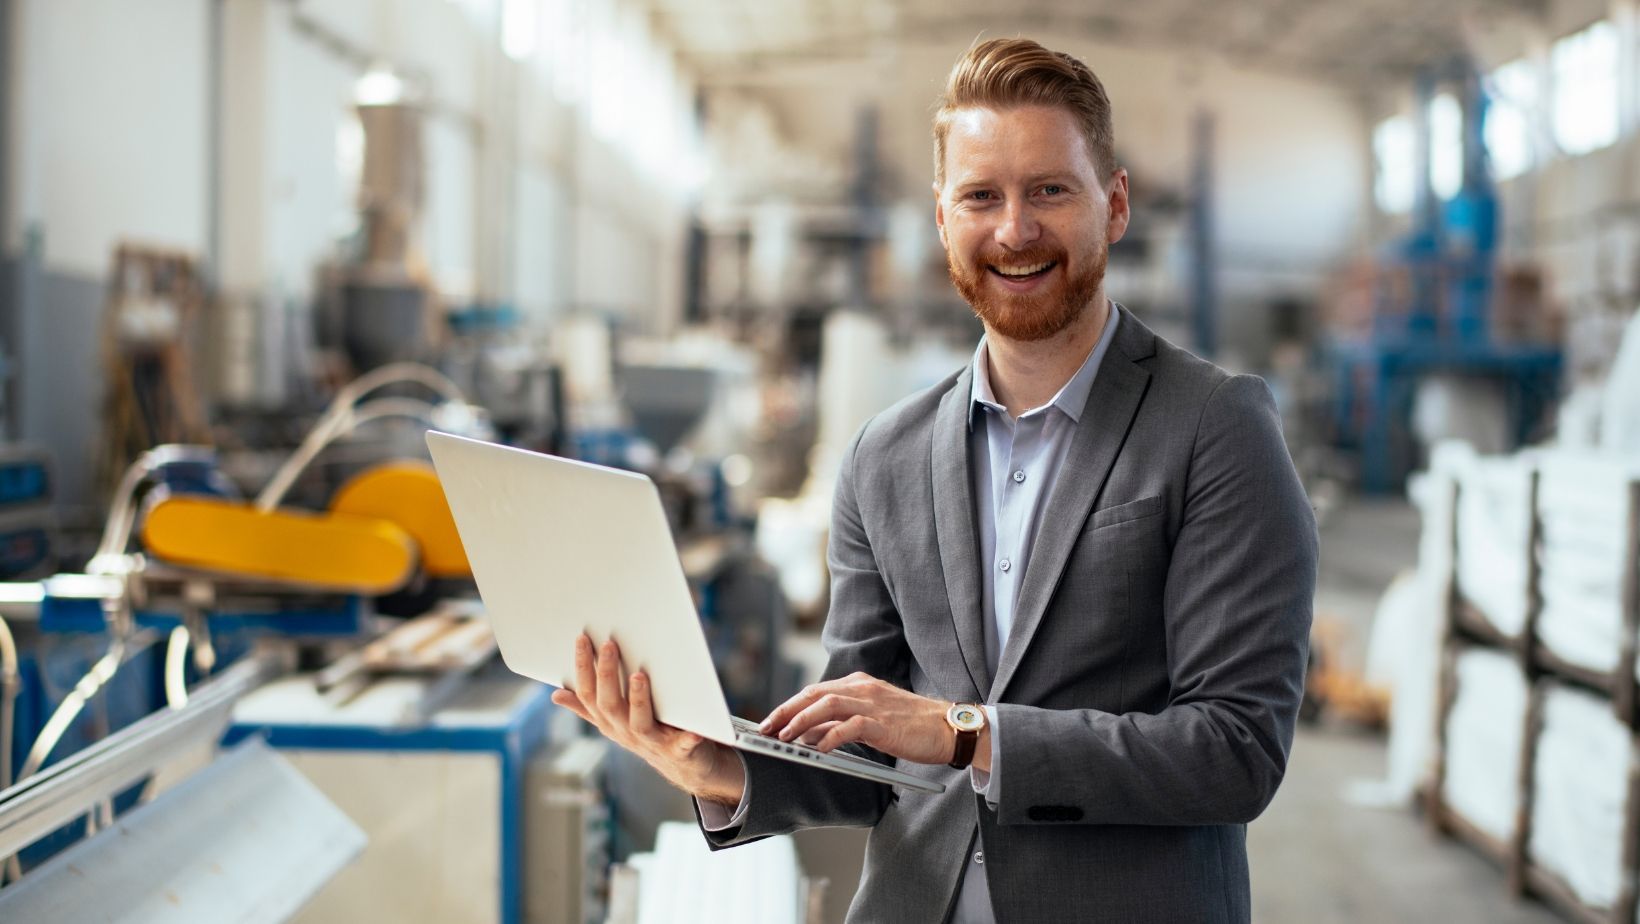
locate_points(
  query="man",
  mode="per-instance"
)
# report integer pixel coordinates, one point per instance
(1090, 541)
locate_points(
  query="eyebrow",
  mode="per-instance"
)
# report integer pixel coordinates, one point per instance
(1032, 180)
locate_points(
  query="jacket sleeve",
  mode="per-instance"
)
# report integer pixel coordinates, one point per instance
(1237, 606)
(862, 633)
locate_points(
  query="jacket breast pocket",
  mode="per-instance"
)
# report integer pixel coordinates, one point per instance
(1126, 512)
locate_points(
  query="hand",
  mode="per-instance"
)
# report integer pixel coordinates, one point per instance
(700, 767)
(862, 708)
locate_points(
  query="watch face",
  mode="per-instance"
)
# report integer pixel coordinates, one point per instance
(966, 718)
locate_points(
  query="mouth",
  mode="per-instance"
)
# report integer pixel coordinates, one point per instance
(1023, 273)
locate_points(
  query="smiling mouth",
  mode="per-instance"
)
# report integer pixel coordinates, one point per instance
(1022, 273)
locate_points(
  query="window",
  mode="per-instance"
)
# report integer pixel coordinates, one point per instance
(1445, 146)
(566, 25)
(1392, 147)
(1583, 68)
(518, 33)
(1513, 93)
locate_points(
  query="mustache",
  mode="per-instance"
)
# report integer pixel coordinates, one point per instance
(1030, 255)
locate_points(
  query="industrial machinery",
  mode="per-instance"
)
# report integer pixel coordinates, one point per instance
(382, 526)
(214, 576)
(27, 521)
(376, 306)
(1433, 310)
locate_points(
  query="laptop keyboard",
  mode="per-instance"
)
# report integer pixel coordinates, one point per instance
(748, 729)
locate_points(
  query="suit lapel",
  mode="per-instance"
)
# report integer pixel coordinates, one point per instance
(1100, 432)
(955, 529)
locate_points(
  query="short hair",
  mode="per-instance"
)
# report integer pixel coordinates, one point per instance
(1005, 72)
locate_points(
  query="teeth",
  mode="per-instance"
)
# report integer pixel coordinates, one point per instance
(1023, 270)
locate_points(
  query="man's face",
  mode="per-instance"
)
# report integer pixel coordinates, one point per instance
(1026, 223)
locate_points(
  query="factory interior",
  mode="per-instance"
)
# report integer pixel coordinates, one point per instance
(253, 251)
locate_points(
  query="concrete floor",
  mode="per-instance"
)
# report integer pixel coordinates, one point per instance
(1317, 856)
(1318, 859)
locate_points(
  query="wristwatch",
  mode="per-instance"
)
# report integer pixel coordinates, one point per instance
(966, 719)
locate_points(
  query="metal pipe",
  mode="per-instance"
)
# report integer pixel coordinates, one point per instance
(68, 789)
(122, 518)
(336, 419)
(10, 682)
(331, 429)
(119, 650)
(176, 681)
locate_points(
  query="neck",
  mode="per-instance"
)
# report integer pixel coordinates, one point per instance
(1026, 374)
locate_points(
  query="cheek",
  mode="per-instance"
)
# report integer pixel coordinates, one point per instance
(965, 242)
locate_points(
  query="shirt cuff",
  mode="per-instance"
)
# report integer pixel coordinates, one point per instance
(989, 784)
(715, 817)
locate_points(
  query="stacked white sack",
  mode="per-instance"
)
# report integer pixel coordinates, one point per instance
(1583, 508)
(1494, 525)
(1404, 651)
(1580, 781)
(1483, 742)
(1620, 411)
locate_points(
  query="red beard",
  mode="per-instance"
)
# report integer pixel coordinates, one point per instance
(1038, 315)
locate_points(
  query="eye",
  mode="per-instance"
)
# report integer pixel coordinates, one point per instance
(983, 195)
(1053, 189)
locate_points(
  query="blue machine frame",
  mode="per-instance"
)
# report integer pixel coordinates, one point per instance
(1442, 323)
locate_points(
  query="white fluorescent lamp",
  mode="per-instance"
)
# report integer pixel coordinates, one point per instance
(378, 87)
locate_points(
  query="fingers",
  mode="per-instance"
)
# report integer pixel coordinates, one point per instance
(568, 700)
(611, 701)
(812, 736)
(854, 729)
(828, 708)
(782, 714)
(586, 686)
(641, 710)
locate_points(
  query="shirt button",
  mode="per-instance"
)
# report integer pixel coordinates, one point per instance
(1019, 477)
(1006, 564)
(979, 857)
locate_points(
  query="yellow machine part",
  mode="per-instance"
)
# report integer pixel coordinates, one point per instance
(409, 494)
(331, 551)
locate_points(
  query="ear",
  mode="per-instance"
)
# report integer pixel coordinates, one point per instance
(1116, 224)
(939, 216)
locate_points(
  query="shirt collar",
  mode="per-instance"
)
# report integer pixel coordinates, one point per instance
(1072, 396)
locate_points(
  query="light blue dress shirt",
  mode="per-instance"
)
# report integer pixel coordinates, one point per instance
(1015, 465)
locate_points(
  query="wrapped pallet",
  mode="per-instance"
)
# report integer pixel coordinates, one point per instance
(1485, 728)
(1583, 555)
(1579, 790)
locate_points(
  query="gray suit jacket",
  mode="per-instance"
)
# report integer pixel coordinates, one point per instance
(1147, 695)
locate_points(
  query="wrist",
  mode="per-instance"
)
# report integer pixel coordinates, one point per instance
(725, 779)
(982, 750)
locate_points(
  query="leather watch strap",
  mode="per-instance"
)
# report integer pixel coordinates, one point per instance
(964, 753)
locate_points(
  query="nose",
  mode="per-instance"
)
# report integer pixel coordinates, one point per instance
(1019, 227)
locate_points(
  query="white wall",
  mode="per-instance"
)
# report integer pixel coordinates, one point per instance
(111, 142)
(110, 137)
(110, 129)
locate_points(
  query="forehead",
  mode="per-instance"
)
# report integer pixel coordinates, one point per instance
(1014, 142)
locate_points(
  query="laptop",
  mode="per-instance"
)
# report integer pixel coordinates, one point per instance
(560, 547)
